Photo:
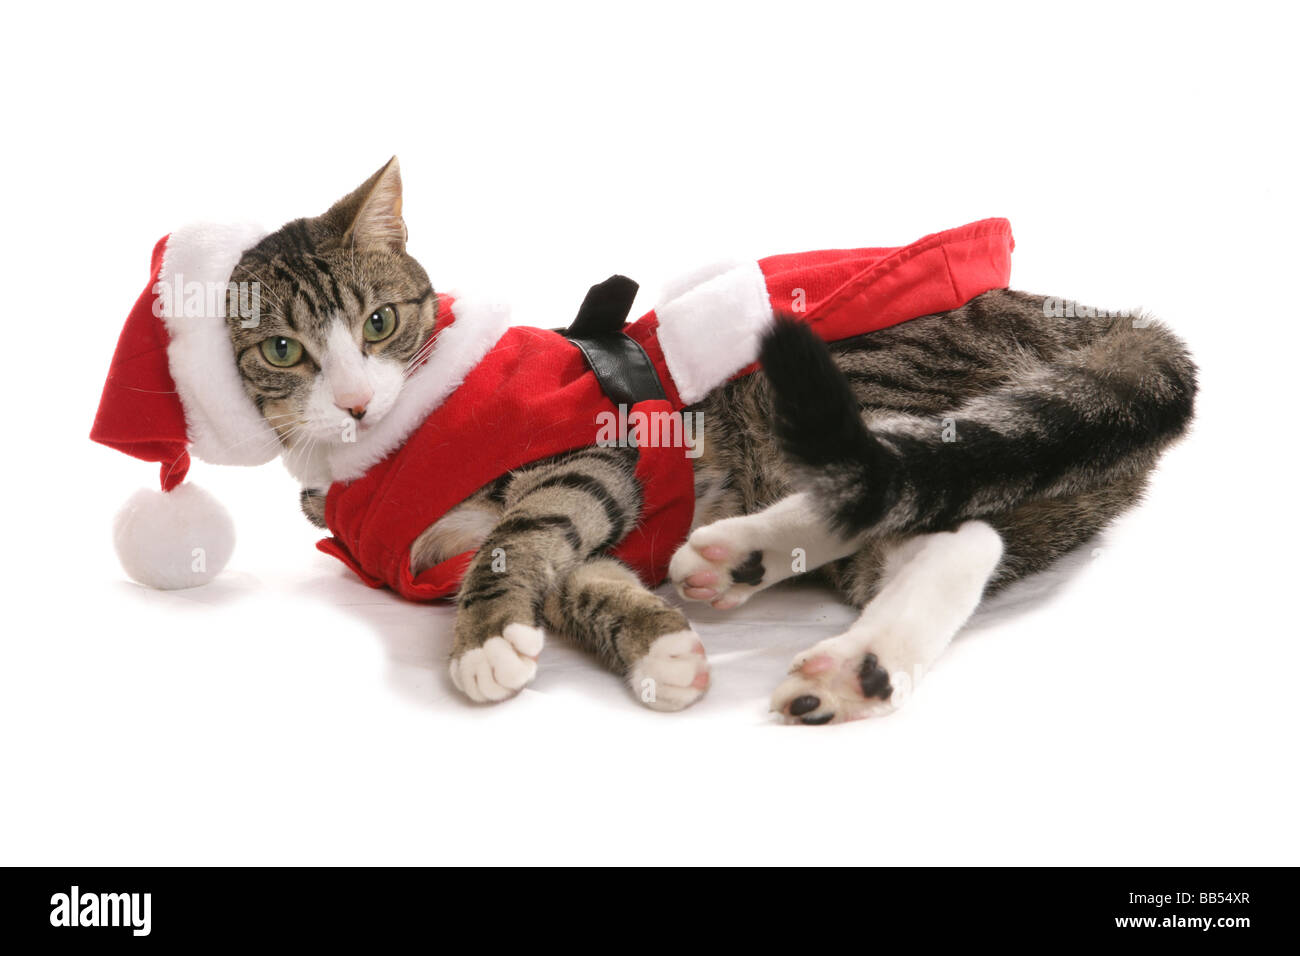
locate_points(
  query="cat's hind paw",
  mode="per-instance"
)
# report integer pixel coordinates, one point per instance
(836, 681)
(711, 567)
(502, 667)
(673, 674)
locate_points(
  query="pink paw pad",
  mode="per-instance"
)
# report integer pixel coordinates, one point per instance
(715, 552)
(817, 664)
(702, 579)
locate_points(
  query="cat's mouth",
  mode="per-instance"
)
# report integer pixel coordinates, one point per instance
(326, 422)
(330, 433)
(347, 428)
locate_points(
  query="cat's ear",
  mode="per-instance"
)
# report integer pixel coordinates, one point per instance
(370, 217)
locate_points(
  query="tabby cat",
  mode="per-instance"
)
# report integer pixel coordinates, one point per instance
(844, 452)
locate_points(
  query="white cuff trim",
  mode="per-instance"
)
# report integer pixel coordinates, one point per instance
(713, 330)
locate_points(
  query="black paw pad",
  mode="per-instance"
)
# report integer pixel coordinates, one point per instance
(816, 719)
(803, 705)
(749, 571)
(874, 678)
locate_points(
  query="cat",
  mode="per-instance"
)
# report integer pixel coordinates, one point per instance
(837, 451)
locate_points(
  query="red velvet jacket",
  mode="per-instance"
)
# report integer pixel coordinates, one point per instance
(533, 394)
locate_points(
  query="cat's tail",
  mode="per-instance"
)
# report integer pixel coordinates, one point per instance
(820, 429)
(1100, 413)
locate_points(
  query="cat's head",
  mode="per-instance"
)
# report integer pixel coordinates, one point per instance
(341, 314)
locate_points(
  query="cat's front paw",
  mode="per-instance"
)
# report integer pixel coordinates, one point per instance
(501, 666)
(673, 674)
(838, 680)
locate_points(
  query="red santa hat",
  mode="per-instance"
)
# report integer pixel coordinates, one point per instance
(173, 389)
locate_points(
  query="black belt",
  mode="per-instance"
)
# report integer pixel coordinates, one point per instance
(622, 368)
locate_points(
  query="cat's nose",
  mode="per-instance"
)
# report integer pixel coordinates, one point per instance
(354, 403)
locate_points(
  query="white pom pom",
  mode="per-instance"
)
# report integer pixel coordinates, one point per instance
(176, 539)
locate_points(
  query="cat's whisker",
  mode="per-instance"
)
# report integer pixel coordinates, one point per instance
(415, 356)
(302, 452)
(417, 360)
(267, 441)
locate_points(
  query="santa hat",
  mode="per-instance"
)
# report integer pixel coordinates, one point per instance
(173, 388)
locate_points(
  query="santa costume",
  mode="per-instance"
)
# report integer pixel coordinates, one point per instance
(488, 398)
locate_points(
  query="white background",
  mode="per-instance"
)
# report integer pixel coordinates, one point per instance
(1137, 707)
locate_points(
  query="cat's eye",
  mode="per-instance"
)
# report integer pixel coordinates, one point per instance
(282, 352)
(380, 325)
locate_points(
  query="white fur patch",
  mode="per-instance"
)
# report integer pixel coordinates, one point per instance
(712, 330)
(346, 370)
(348, 377)
(477, 328)
(461, 529)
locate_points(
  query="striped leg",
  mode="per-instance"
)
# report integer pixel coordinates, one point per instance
(555, 517)
(605, 608)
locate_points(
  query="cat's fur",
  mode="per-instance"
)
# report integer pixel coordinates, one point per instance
(912, 469)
